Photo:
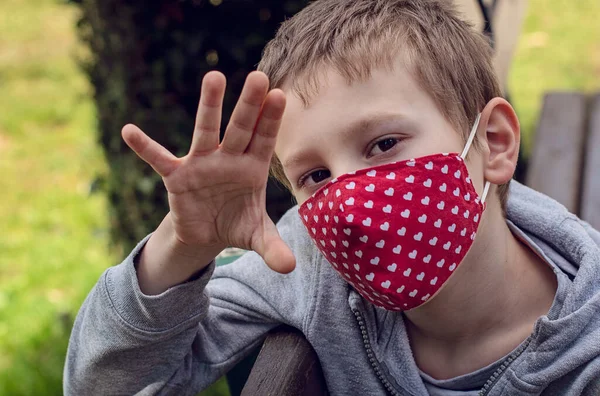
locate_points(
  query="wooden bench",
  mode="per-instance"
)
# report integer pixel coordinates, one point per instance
(564, 164)
(565, 161)
(287, 365)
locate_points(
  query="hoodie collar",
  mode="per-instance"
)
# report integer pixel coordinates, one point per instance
(544, 220)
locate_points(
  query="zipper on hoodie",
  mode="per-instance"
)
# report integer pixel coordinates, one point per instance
(487, 387)
(498, 373)
(371, 356)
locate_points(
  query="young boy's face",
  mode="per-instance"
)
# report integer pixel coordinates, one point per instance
(346, 127)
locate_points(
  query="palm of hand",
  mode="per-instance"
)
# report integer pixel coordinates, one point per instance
(220, 198)
(217, 191)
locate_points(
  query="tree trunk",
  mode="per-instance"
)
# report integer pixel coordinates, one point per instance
(146, 66)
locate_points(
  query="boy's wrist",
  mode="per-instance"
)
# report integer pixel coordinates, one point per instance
(165, 261)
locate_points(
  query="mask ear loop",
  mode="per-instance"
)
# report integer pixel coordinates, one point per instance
(486, 189)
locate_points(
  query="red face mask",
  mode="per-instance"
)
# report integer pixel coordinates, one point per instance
(397, 232)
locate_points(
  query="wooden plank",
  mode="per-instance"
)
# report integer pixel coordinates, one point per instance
(590, 198)
(287, 365)
(556, 160)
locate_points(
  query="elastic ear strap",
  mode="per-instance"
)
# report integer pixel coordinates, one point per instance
(486, 189)
(471, 136)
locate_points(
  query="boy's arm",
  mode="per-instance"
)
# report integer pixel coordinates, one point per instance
(169, 338)
(179, 342)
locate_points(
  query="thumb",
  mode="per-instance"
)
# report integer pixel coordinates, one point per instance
(274, 251)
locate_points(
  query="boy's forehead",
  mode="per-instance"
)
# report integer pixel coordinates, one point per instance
(328, 81)
(335, 104)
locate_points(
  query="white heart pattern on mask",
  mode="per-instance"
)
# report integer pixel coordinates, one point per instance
(394, 243)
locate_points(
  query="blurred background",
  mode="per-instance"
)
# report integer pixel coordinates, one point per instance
(73, 200)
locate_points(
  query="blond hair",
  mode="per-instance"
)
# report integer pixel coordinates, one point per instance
(447, 57)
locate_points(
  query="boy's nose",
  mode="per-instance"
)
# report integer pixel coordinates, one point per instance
(346, 167)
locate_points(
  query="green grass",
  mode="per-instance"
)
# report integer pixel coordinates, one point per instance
(53, 240)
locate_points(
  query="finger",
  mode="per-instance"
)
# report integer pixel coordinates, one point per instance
(274, 251)
(208, 117)
(155, 155)
(265, 134)
(245, 115)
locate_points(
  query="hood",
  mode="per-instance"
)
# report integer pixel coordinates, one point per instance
(567, 340)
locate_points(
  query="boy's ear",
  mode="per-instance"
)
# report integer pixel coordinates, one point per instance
(503, 137)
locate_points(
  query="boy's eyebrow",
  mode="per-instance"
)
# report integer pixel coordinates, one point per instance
(370, 122)
(296, 159)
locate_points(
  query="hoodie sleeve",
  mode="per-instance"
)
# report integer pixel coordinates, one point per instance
(181, 341)
(593, 233)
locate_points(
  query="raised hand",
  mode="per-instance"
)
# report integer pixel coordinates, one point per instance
(217, 191)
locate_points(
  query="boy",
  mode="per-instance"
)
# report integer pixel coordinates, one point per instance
(405, 265)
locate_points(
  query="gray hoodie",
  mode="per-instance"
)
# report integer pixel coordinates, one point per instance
(179, 342)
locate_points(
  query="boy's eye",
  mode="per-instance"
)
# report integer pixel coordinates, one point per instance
(315, 177)
(383, 145)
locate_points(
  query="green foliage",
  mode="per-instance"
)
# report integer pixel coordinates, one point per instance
(146, 66)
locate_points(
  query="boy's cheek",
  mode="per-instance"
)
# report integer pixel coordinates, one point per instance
(474, 165)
